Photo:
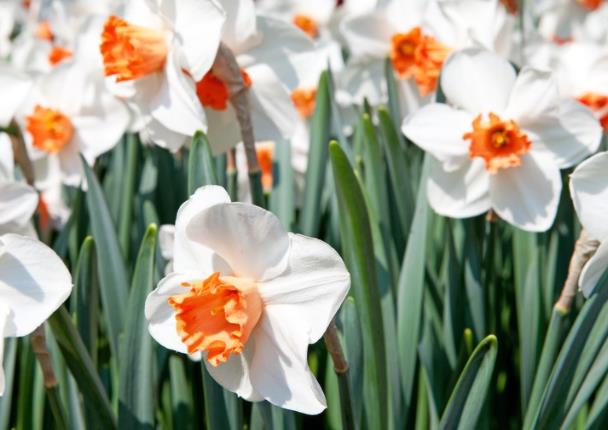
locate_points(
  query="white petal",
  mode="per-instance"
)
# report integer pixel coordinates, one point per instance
(362, 80)
(589, 191)
(224, 132)
(235, 374)
(100, 126)
(439, 129)
(477, 81)
(166, 240)
(569, 137)
(279, 370)
(461, 193)
(34, 282)
(15, 87)
(250, 239)
(368, 36)
(534, 96)
(70, 164)
(240, 26)
(155, 132)
(7, 161)
(313, 286)
(175, 104)
(161, 316)
(198, 25)
(527, 196)
(594, 269)
(18, 202)
(192, 256)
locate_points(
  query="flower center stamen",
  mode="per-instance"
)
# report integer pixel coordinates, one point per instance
(414, 54)
(306, 24)
(50, 129)
(131, 52)
(217, 315)
(500, 143)
(304, 101)
(213, 93)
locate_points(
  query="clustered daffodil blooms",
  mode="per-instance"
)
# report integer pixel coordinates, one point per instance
(249, 296)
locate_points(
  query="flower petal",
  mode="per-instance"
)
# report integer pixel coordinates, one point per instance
(235, 374)
(594, 269)
(461, 193)
(18, 202)
(6, 157)
(589, 191)
(568, 138)
(438, 129)
(198, 25)
(279, 370)
(534, 96)
(527, 196)
(15, 87)
(250, 239)
(240, 27)
(4, 315)
(34, 282)
(190, 255)
(313, 286)
(477, 81)
(166, 240)
(368, 36)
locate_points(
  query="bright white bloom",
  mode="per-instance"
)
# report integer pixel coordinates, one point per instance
(501, 140)
(34, 282)
(155, 54)
(417, 35)
(568, 20)
(589, 190)
(250, 296)
(66, 114)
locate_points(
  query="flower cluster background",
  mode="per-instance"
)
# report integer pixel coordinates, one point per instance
(293, 214)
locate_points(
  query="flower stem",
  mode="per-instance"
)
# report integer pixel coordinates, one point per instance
(227, 69)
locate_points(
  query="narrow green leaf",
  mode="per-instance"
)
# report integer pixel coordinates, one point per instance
(201, 165)
(6, 400)
(111, 270)
(281, 200)
(358, 251)
(82, 368)
(350, 325)
(128, 178)
(598, 415)
(394, 104)
(182, 403)
(453, 303)
(317, 160)
(215, 406)
(136, 409)
(469, 395)
(410, 294)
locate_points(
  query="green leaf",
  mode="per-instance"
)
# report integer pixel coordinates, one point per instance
(453, 303)
(128, 179)
(215, 406)
(6, 400)
(136, 409)
(469, 395)
(317, 160)
(182, 403)
(358, 251)
(201, 165)
(281, 201)
(82, 368)
(111, 270)
(410, 293)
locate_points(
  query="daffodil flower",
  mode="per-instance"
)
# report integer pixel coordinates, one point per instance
(34, 282)
(155, 53)
(572, 20)
(501, 140)
(589, 191)
(250, 296)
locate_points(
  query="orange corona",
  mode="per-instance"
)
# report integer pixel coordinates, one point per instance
(306, 24)
(265, 154)
(590, 4)
(213, 93)
(500, 143)
(58, 54)
(598, 103)
(44, 31)
(414, 54)
(304, 101)
(131, 52)
(50, 129)
(217, 315)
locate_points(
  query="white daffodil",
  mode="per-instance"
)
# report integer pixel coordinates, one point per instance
(66, 114)
(501, 140)
(34, 282)
(567, 20)
(589, 191)
(250, 296)
(417, 35)
(155, 54)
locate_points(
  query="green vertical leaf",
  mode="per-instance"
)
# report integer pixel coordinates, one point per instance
(136, 401)
(128, 179)
(111, 270)
(201, 165)
(358, 251)
(281, 201)
(469, 395)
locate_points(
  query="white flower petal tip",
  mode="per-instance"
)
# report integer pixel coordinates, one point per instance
(589, 191)
(594, 269)
(34, 282)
